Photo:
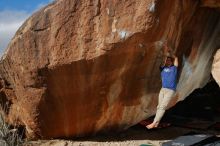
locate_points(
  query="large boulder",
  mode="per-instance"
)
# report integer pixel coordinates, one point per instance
(80, 67)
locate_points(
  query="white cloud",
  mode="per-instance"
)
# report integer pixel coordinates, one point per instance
(10, 21)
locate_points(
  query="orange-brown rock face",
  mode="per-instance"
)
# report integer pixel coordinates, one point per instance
(211, 3)
(82, 67)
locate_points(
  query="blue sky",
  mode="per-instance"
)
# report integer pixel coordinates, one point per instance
(25, 5)
(12, 15)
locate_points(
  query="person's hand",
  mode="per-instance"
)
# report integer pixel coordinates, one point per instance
(165, 46)
(167, 50)
(165, 43)
(173, 55)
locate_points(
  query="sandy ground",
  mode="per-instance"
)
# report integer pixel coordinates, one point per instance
(134, 136)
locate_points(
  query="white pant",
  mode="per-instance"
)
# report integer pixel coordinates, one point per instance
(165, 96)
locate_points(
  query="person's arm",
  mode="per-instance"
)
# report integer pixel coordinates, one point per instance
(162, 65)
(166, 54)
(176, 63)
(164, 61)
(169, 52)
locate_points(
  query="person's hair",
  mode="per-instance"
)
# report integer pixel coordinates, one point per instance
(171, 58)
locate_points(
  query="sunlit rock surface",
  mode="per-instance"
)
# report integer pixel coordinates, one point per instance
(81, 67)
(216, 67)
